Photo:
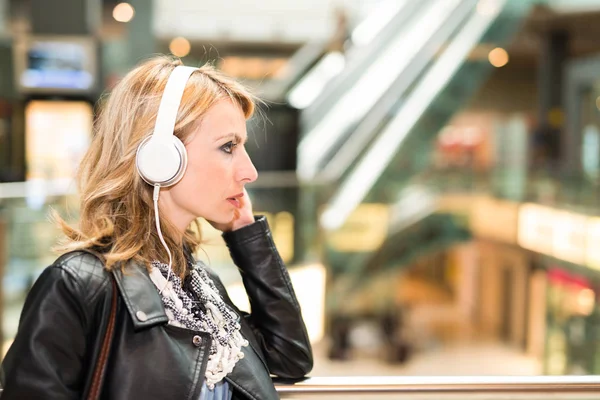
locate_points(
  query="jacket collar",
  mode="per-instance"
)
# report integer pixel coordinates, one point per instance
(140, 296)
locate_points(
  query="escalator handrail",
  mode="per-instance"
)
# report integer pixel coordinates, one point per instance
(297, 65)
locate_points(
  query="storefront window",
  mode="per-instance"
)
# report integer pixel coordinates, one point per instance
(573, 324)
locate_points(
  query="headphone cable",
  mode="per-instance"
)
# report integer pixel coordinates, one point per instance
(162, 240)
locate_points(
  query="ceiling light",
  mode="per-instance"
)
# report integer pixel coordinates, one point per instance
(123, 12)
(498, 57)
(180, 47)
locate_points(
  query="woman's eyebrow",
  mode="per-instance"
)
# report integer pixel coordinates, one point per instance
(233, 135)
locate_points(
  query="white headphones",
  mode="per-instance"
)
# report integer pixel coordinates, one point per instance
(161, 158)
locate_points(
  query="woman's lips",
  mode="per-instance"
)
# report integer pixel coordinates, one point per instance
(236, 200)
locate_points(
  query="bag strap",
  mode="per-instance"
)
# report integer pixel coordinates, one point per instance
(97, 377)
(100, 367)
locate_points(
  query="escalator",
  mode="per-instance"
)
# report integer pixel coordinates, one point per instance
(398, 145)
(380, 157)
(376, 83)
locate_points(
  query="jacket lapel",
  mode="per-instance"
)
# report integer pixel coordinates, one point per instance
(140, 296)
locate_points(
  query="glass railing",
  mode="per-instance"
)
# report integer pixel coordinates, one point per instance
(574, 193)
(450, 387)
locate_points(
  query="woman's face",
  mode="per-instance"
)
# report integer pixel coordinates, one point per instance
(218, 168)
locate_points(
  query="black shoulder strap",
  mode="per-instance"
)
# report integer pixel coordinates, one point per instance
(100, 367)
(99, 370)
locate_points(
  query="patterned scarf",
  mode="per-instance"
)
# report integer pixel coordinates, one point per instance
(211, 315)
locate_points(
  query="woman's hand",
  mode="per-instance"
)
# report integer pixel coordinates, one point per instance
(243, 216)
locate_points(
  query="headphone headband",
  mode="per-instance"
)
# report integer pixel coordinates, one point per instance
(170, 101)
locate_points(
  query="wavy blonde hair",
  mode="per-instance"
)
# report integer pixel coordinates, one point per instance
(116, 207)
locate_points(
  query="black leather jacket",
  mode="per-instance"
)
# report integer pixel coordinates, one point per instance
(58, 336)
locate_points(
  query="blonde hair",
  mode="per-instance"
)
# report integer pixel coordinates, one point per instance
(116, 208)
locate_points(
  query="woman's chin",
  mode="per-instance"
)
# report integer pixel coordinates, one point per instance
(225, 218)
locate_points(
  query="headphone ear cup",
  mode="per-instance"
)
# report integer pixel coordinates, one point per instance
(161, 161)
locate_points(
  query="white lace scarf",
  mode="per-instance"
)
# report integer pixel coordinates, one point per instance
(217, 318)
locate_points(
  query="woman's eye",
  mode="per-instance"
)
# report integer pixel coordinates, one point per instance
(228, 147)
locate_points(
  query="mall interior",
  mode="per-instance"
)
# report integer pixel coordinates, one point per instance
(430, 170)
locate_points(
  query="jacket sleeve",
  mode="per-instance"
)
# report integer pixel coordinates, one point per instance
(276, 318)
(45, 361)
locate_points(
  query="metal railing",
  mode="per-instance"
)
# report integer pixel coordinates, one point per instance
(486, 387)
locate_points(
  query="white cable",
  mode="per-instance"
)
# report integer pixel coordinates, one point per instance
(162, 240)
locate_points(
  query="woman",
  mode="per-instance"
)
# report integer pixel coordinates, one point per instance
(168, 149)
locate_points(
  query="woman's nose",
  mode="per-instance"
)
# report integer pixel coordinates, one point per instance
(247, 171)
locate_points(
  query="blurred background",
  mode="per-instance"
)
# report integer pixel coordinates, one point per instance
(430, 168)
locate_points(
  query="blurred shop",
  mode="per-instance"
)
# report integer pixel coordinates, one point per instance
(400, 281)
(504, 306)
(528, 278)
(483, 150)
(573, 322)
(56, 76)
(53, 71)
(565, 247)
(536, 278)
